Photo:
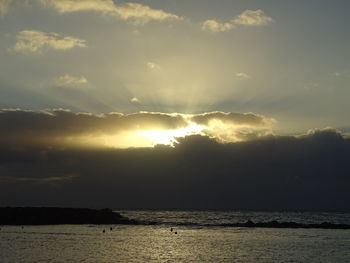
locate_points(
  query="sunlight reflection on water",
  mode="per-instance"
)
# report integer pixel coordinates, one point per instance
(68, 243)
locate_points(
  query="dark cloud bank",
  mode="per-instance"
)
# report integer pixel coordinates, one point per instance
(309, 172)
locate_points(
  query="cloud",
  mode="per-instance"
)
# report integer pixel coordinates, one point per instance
(4, 6)
(135, 100)
(233, 127)
(48, 179)
(63, 127)
(153, 66)
(234, 118)
(215, 26)
(247, 18)
(242, 75)
(327, 132)
(127, 11)
(37, 41)
(70, 81)
(253, 18)
(66, 128)
(309, 172)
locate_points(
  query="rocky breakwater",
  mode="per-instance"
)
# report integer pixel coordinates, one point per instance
(276, 224)
(56, 216)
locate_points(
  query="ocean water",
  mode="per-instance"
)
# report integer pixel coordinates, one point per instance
(199, 238)
(217, 218)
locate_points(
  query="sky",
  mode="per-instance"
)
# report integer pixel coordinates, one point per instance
(104, 100)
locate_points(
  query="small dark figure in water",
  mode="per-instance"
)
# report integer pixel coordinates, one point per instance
(171, 229)
(111, 228)
(103, 231)
(175, 233)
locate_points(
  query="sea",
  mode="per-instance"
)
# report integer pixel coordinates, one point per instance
(182, 236)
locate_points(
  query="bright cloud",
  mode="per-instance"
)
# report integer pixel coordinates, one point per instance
(253, 18)
(247, 18)
(232, 126)
(215, 26)
(70, 81)
(153, 66)
(242, 75)
(37, 41)
(133, 11)
(67, 6)
(135, 100)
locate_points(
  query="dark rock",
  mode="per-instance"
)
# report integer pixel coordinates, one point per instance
(55, 216)
(250, 223)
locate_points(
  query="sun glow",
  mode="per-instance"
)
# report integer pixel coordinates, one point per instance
(147, 138)
(168, 137)
(150, 129)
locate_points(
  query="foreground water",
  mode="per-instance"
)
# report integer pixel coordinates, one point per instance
(195, 241)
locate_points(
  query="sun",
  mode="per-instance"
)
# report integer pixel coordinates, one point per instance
(145, 138)
(168, 137)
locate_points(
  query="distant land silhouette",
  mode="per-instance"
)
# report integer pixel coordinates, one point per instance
(57, 216)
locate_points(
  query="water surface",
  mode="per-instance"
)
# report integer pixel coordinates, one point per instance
(192, 243)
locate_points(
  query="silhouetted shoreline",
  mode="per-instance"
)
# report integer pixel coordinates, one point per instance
(57, 216)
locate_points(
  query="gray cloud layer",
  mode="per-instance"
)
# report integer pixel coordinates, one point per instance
(306, 172)
(309, 171)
